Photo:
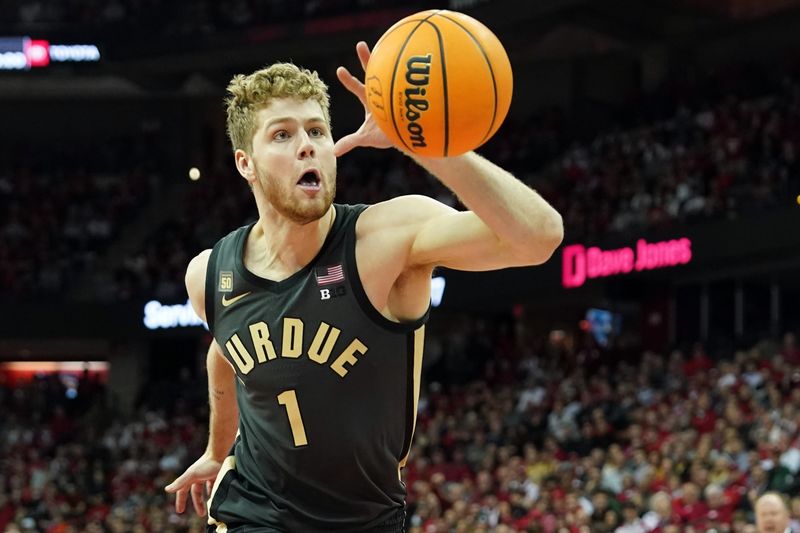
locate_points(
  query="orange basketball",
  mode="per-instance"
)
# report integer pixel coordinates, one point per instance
(439, 83)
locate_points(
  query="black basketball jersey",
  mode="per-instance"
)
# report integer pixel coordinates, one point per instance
(327, 391)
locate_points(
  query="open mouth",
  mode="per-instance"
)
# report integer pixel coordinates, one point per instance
(309, 180)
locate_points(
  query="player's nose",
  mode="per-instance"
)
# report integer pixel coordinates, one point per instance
(306, 148)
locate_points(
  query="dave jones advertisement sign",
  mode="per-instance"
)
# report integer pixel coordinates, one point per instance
(579, 263)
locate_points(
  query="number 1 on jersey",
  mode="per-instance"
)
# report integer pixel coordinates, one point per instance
(289, 400)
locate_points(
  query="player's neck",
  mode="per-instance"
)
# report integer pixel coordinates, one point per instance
(278, 247)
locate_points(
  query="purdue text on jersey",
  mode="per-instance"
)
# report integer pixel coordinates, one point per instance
(319, 351)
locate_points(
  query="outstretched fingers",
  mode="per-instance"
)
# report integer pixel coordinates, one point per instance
(197, 499)
(180, 499)
(352, 84)
(345, 144)
(363, 54)
(368, 134)
(181, 482)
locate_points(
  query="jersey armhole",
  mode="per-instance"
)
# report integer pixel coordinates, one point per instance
(361, 293)
(211, 270)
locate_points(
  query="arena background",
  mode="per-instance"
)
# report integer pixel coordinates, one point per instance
(555, 398)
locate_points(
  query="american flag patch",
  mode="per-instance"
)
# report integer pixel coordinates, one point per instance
(328, 275)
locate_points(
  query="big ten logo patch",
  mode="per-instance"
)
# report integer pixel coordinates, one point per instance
(225, 281)
(335, 292)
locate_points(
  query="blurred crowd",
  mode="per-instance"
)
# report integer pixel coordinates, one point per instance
(74, 463)
(731, 159)
(63, 207)
(558, 441)
(528, 437)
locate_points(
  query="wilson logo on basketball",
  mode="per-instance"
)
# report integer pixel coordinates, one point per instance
(418, 69)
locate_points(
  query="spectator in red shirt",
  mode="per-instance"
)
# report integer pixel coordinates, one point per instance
(720, 509)
(704, 416)
(688, 508)
(790, 350)
(699, 362)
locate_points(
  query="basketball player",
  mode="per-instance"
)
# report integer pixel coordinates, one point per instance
(318, 311)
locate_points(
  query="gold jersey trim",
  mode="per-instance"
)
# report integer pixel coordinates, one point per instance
(227, 465)
(419, 346)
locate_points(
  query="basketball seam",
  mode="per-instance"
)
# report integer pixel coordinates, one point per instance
(491, 71)
(444, 87)
(394, 75)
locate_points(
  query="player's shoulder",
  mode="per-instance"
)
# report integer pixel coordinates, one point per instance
(196, 270)
(402, 210)
(200, 261)
(196, 281)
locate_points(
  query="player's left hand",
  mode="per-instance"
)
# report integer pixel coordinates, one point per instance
(200, 475)
(369, 134)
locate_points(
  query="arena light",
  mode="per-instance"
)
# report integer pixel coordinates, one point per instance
(69, 372)
(437, 290)
(74, 53)
(12, 54)
(45, 367)
(579, 263)
(24, 53)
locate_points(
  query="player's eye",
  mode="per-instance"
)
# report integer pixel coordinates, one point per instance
(281, 135)
(316, 132)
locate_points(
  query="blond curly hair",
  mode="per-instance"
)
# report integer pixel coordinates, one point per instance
(249, 94)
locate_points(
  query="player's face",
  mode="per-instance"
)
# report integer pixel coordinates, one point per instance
(293, 159)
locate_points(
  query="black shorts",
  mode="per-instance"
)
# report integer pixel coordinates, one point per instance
(396, 524)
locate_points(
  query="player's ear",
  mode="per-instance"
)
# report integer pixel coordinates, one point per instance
(245, 165)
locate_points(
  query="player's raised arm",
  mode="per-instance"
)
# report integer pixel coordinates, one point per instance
(509, 224)
(508, 220)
